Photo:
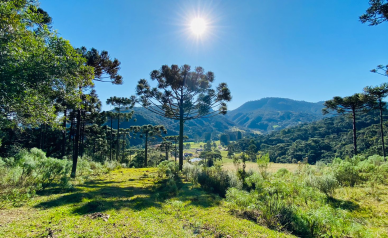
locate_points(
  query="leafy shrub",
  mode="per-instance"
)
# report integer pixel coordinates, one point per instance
(347, 171)
(326, 183)
(167, 169)
(29, 171)
(214, 180)
(191, 172)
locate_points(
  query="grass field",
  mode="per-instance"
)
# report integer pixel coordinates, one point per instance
(273, 167)
(127, 203)
(227, 163)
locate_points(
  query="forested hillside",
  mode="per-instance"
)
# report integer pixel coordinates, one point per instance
(324, 140)
(270, 114)
(195, 129)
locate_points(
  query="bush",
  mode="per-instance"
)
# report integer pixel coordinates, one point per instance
(214, 180)
(167, 169)
(326, 183)
(29, 171)
(191, 172)
(347, 171)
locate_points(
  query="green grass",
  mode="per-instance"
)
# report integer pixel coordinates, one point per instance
(137, 206)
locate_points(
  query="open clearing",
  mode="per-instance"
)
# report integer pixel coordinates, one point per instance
(127, 203)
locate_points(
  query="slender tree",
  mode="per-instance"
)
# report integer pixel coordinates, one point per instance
(378, 94)
(166, 147)
(175, 140)
(147, 131)
(105, 70)
(183, 95)
(121, 103)
(351, 104)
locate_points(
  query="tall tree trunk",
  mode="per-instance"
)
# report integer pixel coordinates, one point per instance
(118, 135)
(111, 137)
(354, 131)
(146, 150)
(64, 133)
(181, 122)
(41, 137)
(82, 134)
(381, 127)
(122, 156)
(76, 145)
(70, 133)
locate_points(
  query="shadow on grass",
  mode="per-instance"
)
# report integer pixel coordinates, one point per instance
(343, 204)
(100, 196)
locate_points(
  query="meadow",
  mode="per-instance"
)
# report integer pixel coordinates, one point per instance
(127, 203)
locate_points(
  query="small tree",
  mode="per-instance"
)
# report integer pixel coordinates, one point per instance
(378, 94)
(210, 157)
(147, 131)
(175, 140)
(183, 95)
(166, 147)
(352, 104)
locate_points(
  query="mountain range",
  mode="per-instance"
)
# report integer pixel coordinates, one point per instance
(260, 116)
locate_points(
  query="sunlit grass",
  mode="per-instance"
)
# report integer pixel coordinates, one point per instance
(137, 207)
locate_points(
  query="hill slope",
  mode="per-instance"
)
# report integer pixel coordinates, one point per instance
(269, 114)
(193, 128)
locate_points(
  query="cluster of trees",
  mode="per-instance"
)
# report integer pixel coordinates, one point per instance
(228, 136)
(321, 140)
(47, 96)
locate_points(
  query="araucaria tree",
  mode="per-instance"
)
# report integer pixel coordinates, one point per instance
(147, 131)
(352, 104)
(121, 103)
(378, 94)
(182, 94)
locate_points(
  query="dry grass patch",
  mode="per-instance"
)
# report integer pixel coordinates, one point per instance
(272, 167)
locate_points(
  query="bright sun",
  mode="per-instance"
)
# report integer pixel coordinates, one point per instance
(198, 26)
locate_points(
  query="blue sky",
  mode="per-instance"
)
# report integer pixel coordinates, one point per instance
(299, 49)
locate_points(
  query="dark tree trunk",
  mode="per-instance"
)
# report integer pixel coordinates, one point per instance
(64, 133)
(82, 134)
(167, 152)
(111, 137)
(76, 145)
(381, 127)
(41, 137)
(176, 150)
(118, 135)
(122, 156)
(70, 133)
(354, 131)
(181, 123)
(146, 150)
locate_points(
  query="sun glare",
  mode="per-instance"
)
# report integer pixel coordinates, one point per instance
(198, 26)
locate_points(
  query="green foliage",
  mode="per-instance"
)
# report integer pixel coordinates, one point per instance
(36, 65)
(31, 171)
(303, 203)
(191, 172)
(167, 169)
(214, 180)
(319, 141)
(326, 183)
(263, 162)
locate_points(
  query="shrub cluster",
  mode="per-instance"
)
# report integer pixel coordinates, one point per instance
(27, 172)
(301, 202)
